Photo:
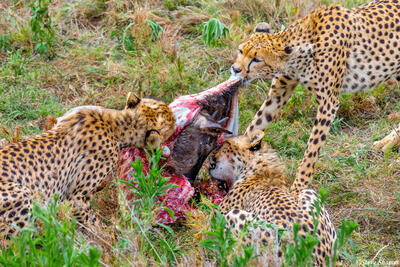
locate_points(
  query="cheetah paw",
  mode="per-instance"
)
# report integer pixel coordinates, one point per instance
(390, 141)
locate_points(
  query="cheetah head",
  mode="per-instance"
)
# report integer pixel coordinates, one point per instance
(243, 156)
(158, 122)
(264, 55)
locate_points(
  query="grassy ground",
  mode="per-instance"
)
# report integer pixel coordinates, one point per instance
(95, 51)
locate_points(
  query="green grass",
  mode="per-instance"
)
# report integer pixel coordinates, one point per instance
(52, 244)
(139, 216)
(99, 50)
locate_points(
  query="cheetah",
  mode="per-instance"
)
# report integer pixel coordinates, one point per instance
(254, 174)
(390, 141)
(75, 157)
(329, 51)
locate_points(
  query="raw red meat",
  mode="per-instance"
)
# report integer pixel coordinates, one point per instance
(177, 199)
(221, 101)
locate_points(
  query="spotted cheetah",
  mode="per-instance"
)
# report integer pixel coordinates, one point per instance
(390, 141)
(75, 157)
(329, 51)
(257, 185)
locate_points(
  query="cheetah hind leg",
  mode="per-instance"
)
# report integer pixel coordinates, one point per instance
(15, 207)
(390, 141)
(87, 218)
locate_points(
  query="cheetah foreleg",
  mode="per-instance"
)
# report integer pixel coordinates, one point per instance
(325, 116)
(282, 88)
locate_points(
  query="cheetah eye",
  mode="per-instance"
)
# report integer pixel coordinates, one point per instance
(255, 147)
(288, 50)
(256, 60)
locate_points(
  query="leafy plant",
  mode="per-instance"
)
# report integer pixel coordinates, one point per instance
(222, 242)
(300, 251)
(53, 244)
(343, 238)
(168, 247)
(42, 28)
(213, 31)
(128, 41)
(156, 29)
(149, 187)
(245, 259)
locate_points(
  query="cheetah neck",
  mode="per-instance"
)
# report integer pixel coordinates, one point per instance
(298, 39)
(127, 126)
(266, 169)
(300, 32)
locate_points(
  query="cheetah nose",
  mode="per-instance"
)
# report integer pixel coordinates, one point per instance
(236, 69)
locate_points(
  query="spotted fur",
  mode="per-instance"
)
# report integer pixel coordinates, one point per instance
(392, 140)
(258, 188)
(330, 51)
(75, 157)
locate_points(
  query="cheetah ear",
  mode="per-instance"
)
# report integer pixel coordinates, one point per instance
(255, 139)
(262, 27)
(132, 100)
(298, 51)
